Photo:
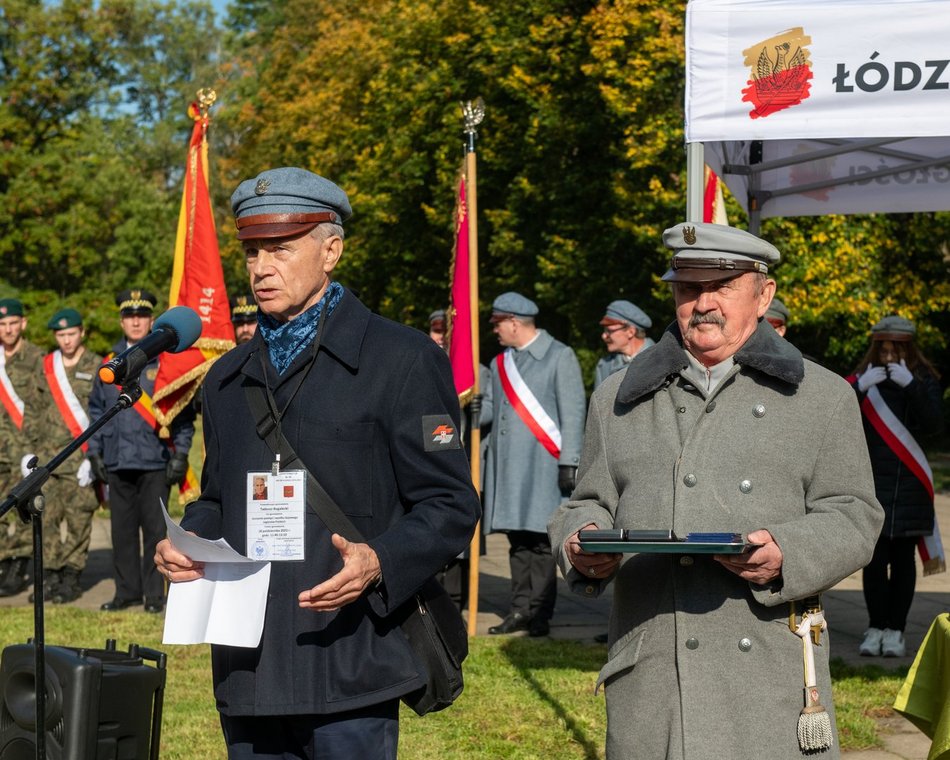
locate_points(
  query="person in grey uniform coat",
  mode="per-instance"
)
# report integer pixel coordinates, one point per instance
(625, 335)
(537, 418)
(721, 427)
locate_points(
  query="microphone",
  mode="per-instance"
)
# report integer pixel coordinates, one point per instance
(174, 331)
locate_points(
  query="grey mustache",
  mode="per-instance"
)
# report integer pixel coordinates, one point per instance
(706, 319)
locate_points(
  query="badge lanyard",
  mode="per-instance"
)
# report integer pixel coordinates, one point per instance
(277, 414)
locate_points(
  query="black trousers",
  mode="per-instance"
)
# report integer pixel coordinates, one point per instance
(533, 574)
(134, 505)
(368, 734)
(888, 596)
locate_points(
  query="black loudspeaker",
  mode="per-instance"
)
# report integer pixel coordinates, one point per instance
(101, 704)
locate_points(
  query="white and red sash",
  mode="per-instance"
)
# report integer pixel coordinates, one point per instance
(70, 408)
(8, 395)
(902, 443)
(528, 407)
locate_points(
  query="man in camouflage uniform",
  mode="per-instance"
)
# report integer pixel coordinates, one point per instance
(70, 497)
(24, 400)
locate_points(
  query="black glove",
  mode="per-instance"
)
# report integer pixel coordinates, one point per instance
(98, 468)
(176, 468)
(566, 477)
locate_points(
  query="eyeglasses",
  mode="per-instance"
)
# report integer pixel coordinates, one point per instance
(612, 330)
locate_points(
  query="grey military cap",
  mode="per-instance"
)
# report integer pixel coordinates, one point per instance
(286, 202)
(437, 316)
(893, 328)
(703, 252)
(777, 310)
(625, 311)
(512, 304)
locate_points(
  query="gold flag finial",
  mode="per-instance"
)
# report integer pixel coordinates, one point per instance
(473, 111)
(206, 98)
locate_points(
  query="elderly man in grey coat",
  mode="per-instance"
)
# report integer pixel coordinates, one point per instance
(625, 335)
(537, 417)
(721, 427)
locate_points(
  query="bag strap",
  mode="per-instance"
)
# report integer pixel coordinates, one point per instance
(323, 504)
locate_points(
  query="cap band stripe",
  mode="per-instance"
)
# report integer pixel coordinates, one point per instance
(682, 262)
(314, 218)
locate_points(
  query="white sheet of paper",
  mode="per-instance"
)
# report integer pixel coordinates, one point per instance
(227, 605)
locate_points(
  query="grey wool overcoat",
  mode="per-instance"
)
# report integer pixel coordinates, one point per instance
(701, 663)
(521, 490)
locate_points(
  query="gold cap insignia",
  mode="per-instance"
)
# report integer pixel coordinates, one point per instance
(689, 235)
(263, 185)
(241, 300)
(136, 295)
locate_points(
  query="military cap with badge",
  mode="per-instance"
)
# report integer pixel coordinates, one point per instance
(626, 313)
(705, 252)
(64, 319)
(11, 307)
(287, 202)
(135, 301)
(243, 309)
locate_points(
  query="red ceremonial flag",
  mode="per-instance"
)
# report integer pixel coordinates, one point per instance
(459, 315)
(197, 282)
(714, 209)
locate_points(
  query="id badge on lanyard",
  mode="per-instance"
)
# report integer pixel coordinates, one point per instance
(276, 503)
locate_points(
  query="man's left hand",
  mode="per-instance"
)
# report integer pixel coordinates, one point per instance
(360, 569)
(759, 565)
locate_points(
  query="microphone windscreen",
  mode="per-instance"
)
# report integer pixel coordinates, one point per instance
(184, 322)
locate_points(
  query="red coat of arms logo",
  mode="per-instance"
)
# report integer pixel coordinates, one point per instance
(781, 73)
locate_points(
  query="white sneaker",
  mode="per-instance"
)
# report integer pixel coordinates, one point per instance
(871, 646)
(892, 644)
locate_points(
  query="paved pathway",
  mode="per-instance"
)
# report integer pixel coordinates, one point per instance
(580, 618)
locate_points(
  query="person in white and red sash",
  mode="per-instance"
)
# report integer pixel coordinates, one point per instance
(900, 401)
(70, 497)
(22, 400)
(139, 466)
(537, 418)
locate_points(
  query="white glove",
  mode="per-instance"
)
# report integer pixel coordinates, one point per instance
(899, 373)
(24, 468)
(871, 376)
(84, 473)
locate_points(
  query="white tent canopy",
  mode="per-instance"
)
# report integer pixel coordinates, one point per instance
(806, 107)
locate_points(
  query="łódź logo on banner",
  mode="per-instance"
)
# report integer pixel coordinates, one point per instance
(780, 73)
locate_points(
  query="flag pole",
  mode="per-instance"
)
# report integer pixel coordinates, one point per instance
(472, 113)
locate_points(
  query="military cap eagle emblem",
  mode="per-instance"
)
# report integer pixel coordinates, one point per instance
(689, 235)
(241, 301)
(262, 186)
(136, 295)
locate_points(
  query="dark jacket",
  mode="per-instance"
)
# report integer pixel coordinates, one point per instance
(908, 505)
(128, 442)
(363, 422)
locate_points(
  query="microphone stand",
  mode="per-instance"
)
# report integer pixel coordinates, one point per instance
(27, 497)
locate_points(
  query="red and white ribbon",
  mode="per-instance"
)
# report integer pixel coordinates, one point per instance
(8, 395)
(70, 408)
(527, 406)
(902, 443)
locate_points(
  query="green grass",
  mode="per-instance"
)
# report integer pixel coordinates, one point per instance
(524, 698)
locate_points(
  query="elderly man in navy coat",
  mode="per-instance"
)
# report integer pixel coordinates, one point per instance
(537, 417)
(370, 409)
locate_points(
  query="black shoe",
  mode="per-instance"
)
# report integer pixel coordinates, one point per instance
(68, 589)
(538, 628)
(17, 578)
(120, 604)
(155, 605)
(601, 638)
(514, 621)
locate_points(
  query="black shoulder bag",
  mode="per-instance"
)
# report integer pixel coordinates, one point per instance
(430, 620)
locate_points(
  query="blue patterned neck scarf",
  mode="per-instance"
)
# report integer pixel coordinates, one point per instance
(286, 340)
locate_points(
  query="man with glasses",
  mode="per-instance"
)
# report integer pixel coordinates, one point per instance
(624, 335)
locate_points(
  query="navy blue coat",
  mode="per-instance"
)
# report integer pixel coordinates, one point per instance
(362, 422)
(128, 442)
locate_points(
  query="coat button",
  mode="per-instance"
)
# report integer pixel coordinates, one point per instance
(746, 486)
(686, 560)
(692, 643)
(503, 432)
(710, 406)
(689, 479)
(758, 410)
(681, 410)
(745, 645)
(589, 590)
